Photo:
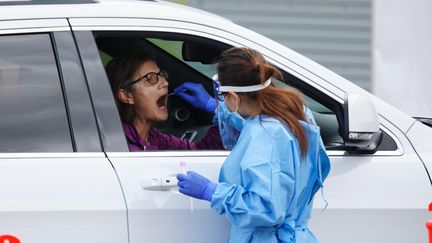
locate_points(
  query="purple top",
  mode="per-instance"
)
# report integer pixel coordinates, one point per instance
(161, 141)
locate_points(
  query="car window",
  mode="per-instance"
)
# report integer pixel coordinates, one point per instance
(32, 106)
(184, 120)
(323, 110)
(324, 116)
(192, 58)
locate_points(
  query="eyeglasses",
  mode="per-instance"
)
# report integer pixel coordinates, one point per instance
(151, 77)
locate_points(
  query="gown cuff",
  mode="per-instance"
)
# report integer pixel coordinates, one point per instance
(219, 197)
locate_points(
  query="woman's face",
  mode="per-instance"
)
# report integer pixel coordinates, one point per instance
(149, 100)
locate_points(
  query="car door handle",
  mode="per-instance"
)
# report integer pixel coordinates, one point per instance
(159, 183)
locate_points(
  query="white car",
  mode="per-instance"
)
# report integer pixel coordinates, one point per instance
(66, 174)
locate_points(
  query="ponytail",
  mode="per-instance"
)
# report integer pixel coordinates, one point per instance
(244, 67)
(288, 106)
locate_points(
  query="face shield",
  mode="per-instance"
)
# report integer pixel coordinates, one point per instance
(231, 123)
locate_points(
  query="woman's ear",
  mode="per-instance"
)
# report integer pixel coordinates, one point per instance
(233, 101)
(125, 97)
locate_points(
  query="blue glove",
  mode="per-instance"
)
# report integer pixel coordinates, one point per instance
(196, 185)
(196, 95)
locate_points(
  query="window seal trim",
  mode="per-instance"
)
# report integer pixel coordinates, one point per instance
(107, 118)
(62, 84)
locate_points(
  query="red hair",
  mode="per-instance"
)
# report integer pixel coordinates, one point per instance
(240, 66)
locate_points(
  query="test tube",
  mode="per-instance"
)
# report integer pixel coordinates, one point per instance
(184, 169)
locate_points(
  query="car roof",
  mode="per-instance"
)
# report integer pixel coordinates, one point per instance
(48, 9)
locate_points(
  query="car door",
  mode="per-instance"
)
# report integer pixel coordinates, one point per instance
(368, 195)
(56, 184)
(156, 211)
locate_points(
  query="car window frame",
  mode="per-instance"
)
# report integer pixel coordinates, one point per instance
(136, 37)
(152, 25)
(82, 120)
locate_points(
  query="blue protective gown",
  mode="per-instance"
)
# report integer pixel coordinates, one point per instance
(266, 187)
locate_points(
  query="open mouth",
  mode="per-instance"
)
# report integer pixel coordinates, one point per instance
(162, 101)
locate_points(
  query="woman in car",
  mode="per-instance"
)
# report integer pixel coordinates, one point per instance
(277, 163)
(141, 91)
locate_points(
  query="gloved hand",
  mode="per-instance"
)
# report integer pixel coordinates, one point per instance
(196, 95)
(196, 185)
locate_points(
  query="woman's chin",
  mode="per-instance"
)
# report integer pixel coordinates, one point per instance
(158, 115)
(162, 116)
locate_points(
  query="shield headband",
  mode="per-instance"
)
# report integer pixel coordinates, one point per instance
(241, 89)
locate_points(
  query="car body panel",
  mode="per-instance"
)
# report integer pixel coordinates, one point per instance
(168, 216)
(61, 198)
(371, 196)
(393, 206)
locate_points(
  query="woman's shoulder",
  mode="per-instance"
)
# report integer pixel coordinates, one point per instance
(259, 139)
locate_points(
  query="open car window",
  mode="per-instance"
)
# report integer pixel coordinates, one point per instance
(192, 58)
(184, 121)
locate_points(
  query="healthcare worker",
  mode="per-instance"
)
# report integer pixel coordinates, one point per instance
(277, 163)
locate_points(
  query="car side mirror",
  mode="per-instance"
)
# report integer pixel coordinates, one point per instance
(361, 131)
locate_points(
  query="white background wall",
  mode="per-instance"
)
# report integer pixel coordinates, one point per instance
(402, 54)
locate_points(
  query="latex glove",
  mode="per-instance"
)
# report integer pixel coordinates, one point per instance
(196, 95)
(196, 185)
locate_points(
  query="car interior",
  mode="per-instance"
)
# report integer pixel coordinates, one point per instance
(192, 58)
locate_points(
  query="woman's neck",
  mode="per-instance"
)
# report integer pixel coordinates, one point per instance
(248, 108)
(143, 128)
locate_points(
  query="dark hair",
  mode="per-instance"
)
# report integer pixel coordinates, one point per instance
(121, 70)
(239, 66)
